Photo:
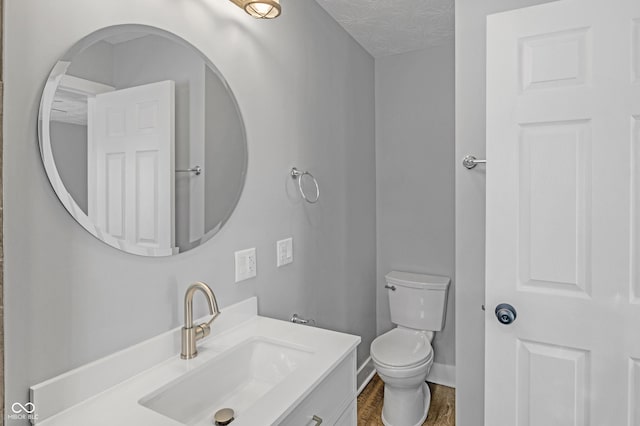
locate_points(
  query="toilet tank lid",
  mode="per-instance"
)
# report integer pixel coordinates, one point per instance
(422, 281)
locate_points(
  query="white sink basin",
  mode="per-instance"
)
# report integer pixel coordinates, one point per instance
(236, 379)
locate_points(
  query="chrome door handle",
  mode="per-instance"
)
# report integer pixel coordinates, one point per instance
(317, 419)
(471, 161)
(390, 287)
(506, 313)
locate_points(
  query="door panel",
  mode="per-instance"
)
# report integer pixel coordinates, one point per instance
(554, 171)
(114, 195)
(555, 60)
(562, 401)
(146, 196)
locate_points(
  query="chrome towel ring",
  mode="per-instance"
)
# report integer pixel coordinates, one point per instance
(297, 174)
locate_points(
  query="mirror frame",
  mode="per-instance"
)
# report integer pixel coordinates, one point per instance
(44, 134)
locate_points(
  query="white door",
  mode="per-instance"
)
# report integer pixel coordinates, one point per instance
(563, 215)
(131, 167)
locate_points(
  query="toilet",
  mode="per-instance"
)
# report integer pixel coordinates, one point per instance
(403, 356)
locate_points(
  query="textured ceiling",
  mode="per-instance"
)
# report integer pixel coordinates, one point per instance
(387, 27)
(69, 108)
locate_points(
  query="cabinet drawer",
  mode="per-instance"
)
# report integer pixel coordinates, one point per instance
(350, 416)
(329, 399)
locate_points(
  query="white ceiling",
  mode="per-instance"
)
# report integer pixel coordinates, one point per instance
(387, 27)
(69, 107)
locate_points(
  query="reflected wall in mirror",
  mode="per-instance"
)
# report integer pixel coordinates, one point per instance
(142, 140)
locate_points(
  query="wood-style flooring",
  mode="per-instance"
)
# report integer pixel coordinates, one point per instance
(441, 413)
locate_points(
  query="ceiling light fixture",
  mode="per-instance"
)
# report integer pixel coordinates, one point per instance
(261, 9)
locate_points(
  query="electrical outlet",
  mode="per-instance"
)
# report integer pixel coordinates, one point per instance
(246, 265)
(284, 249)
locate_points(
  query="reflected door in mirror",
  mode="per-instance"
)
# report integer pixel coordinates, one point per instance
(130, 166)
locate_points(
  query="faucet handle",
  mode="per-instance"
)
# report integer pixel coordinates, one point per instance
(207, 324)
(203, 330)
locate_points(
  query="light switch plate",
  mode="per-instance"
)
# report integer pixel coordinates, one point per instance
(246, 265)
(284, 249)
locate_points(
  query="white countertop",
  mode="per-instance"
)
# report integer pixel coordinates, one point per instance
(65, 400)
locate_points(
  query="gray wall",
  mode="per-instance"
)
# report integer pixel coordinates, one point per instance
(414, 175)
(306, 91)
(223, 150)
(69, 148)
(470, 202)
(95, 64)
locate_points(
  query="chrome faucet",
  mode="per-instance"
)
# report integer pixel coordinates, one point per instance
(192, 333)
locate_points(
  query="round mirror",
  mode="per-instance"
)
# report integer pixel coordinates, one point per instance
(142, 140)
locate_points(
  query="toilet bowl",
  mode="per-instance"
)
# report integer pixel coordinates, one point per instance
(403, 356)
(403, 359)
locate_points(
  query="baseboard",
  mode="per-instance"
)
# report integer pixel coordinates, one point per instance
(365, 373)
(443, 374)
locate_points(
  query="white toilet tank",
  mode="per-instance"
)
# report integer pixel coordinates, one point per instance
(419, 301)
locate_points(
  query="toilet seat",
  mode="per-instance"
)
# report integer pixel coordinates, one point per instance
(402, 348)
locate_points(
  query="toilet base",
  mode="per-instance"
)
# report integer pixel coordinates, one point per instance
(402, 412)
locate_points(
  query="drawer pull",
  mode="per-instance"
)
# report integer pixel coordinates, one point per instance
(317, 419)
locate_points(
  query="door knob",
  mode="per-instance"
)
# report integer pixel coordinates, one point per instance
(506, 313)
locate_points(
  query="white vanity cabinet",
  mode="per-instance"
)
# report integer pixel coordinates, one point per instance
(332, 402)
(350, 415)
